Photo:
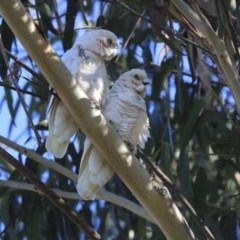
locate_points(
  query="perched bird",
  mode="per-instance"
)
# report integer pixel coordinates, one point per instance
(85, 60)
(126, 111)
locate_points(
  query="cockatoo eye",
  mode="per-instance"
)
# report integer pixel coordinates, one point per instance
(109, 42)
(136, 76)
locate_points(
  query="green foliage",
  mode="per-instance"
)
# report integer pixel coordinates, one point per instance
(194, 133)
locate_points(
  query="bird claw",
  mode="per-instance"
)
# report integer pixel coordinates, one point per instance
(81, 51)
(96, 105)
(131, 147)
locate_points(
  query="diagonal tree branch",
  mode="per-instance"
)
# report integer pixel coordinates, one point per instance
(5, 85)
(53, 197)
(103, 194)
(37, 158)
(31, 187)
(148, 192)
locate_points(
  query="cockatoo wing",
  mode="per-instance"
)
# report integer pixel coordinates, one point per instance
(129, 119)
(94, 172)
(61, 129)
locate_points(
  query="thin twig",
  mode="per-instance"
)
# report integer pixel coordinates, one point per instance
(5, 85)
(130, 35)
(53, 197)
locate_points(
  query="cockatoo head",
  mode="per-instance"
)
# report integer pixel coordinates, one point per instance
(101, 42)
(136, 79)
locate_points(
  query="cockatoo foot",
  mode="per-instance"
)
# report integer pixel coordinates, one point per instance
(131, 147)
(96, 105)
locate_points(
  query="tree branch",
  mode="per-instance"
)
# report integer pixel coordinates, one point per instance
(160, 206)
(37, 158)
(31, 187)
(5, 85)
(102, 195)
(53, 197)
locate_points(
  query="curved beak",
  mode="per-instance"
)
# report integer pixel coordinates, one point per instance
(146, 81)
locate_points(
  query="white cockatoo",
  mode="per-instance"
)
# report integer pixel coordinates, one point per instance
(126, 111)
(85, 60)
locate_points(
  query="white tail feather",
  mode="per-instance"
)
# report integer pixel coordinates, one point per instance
(94, 172)
(61, 129)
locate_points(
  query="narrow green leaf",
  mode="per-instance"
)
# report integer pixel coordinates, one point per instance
(184, 174)
(7, 39)
(68, 34)
(166, 153)
(100, 21)
(34, 223)
(228, 225)
(200, 188)
(9, 100)
(190, 125)
(159, 76)
(46, 15)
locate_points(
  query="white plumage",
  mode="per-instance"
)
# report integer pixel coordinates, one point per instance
(85, 60)
(126, 110)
